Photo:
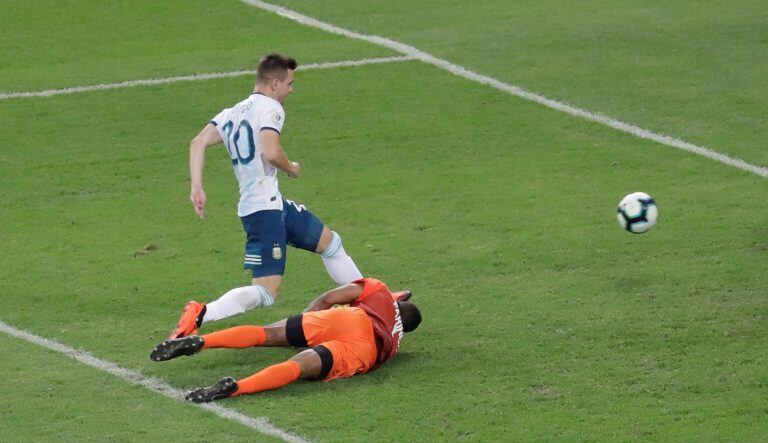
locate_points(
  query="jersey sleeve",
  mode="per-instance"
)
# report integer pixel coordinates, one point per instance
(220, 119)
(370, 285)
(272, 119)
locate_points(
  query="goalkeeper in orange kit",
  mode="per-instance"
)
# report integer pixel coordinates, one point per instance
(342, 341)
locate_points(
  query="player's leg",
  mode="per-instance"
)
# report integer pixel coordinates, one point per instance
(264, 256)
(248, 336)
(307, 364)
(350, 350)
(233, 302)
(339, 265)
(305, 231)
(237, 337)
(261, 293)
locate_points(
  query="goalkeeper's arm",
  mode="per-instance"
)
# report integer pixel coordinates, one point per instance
(340, 296)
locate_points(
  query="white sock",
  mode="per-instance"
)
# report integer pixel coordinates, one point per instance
(237, 301)
(339, 265)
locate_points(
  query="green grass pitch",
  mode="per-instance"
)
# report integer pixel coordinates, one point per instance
(543, 320)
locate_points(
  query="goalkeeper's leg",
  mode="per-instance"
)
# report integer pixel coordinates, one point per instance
(237, 337)
(306, 364)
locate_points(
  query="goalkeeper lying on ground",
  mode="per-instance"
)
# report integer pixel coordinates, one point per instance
(342, 341)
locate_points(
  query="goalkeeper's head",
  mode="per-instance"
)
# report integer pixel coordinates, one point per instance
(410, 315)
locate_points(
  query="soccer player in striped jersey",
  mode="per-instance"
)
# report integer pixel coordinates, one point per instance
(250, 131)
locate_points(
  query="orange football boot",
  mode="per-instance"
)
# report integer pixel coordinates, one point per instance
(189, 320)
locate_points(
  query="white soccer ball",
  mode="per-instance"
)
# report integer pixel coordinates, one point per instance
(637, 212)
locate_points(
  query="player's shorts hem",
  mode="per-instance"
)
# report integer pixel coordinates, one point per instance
(265, 243)
(302, 228)
(264, 272)
(326, 360)
(294, 332)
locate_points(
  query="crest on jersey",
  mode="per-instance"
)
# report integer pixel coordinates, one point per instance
(277, 118)
(277, 253)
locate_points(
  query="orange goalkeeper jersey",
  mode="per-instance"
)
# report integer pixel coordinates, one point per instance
(376, 300)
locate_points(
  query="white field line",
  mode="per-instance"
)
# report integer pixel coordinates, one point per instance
(260, 424)
(194, 77)
(511, 89)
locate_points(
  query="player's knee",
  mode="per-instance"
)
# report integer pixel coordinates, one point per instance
(309, 362)
(255, 296)
(275, 335)
(334, 245)
(272, 286)
(325, 239)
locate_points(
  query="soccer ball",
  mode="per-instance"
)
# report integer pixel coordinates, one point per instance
(637, 212)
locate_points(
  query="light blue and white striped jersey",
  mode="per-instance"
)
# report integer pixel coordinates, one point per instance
(240, 127)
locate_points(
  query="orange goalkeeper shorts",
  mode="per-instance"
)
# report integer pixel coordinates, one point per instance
(343, 337)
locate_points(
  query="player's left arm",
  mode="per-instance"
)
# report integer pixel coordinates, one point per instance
(209, 136)
(342, 295)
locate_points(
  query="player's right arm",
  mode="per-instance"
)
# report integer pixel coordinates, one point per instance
(209, 136)
(342, 295)
(273, 152)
